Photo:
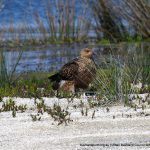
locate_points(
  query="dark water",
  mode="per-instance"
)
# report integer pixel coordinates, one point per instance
(41, 59)
(52, 57)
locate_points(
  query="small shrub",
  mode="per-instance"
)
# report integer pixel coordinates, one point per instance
(58, 114)
(10, 105)
(36, 117)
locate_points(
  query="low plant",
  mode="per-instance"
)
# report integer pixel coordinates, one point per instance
(40, 105)
(32, 87)
(10, 105)
(36, 117)
(58, 114)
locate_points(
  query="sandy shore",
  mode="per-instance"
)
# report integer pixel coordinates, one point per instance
(120, 128)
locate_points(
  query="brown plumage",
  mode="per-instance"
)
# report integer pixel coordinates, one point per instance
(77, 74)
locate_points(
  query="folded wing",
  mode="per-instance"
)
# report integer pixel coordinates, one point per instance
(69, 71)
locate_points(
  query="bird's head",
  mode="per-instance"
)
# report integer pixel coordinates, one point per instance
(87, 53)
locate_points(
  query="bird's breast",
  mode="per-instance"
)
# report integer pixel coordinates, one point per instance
(86, 72)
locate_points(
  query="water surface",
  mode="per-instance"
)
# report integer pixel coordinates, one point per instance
(53, 57)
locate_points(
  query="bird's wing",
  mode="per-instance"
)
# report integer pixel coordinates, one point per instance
(69, 70)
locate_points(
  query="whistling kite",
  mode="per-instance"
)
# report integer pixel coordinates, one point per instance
(77, 74)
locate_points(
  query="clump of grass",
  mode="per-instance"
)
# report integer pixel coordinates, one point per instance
(30, 86)
(7, 76)
(22, 108)
(36, 117)
(10, 105)
(118, 72)
(93, 103)
(64, 25)
(58, 114)
(65, 94)
(40, 105)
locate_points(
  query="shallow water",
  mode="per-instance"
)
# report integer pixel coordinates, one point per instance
(52, 57)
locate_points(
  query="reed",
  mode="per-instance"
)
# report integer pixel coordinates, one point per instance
(118, 74)
(6, 75)
(63, 25)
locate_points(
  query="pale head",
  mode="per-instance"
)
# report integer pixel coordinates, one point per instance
(86, 52)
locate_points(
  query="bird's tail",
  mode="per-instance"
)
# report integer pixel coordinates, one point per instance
(55, 79)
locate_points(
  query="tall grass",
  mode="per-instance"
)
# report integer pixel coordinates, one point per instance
(63, 23)
(121, 20)
(136, 13)
(7, 76)
(106, 24)
(121, 72)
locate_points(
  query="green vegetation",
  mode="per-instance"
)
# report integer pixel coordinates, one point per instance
(66, 25)
(118, 72)
(7, 77)
(108, 16)
(120, 78)
(10, 105)
(33, 87)
(122, 69)
(58, 114)
(22, 85)
(107, 82)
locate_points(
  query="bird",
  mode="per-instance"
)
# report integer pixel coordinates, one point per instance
(76, 74)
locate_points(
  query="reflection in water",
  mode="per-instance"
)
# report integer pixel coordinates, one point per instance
(53, 57)
(48, 59)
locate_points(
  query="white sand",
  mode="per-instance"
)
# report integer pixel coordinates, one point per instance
(21, 133)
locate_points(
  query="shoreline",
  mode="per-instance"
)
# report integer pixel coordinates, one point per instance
(120, 125)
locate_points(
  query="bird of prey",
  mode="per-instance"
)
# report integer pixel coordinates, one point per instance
(76, 74)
